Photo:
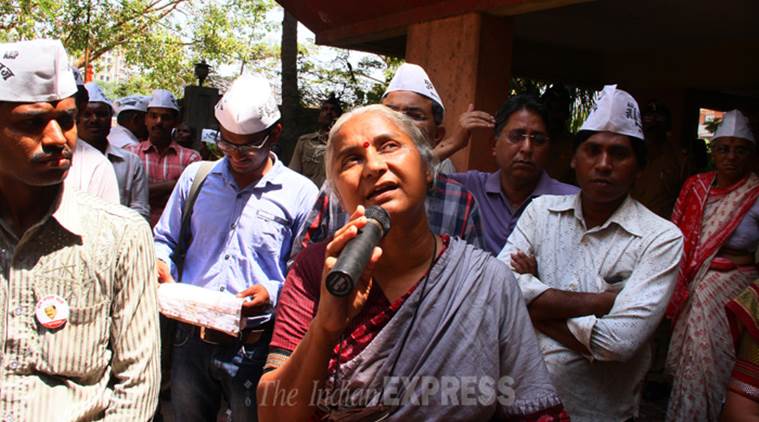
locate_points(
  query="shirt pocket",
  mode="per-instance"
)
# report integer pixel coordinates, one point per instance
(614, 278)
(271, 232)
(79, 348)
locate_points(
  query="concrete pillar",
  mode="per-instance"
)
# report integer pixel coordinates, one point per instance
(468, 58)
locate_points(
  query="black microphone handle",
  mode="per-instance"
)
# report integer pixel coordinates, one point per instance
(342, 279)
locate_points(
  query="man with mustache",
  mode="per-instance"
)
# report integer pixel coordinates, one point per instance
(90, 170)
(91, 262)
(521, 150)
(164, 159)
(247, 213)
(94, 125)
(596, 269)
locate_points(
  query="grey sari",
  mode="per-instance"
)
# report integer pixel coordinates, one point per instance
(471, 353)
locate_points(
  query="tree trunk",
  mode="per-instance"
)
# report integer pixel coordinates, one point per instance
(290, 94)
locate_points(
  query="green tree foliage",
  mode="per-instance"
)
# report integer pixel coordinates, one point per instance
(355, 85)
(99, 25)
(581, 98)
(160, 39)
(712, 126)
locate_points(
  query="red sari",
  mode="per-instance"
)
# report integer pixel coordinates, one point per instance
(701, 355)
(702, 243)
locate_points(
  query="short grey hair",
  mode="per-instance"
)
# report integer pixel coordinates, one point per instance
(399, 119)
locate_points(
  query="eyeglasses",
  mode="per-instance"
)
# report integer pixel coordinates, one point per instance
(247, 149)
(517, 136)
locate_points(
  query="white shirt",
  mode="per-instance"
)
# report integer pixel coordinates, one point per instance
(121, 137)
(132, 179)
(634, 251)
(91, 172)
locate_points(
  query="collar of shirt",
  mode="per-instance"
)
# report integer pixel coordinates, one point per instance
(222, 168)
(122, 131)
(625, 216)
(63, 210)
(147, 146)
(493, 184)
(114, 153)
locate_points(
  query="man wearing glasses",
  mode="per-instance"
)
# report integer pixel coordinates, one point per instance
(521, 150)
(246, 215)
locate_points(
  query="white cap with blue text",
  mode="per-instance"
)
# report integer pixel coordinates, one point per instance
(35, 71)
(131, 102)
(248, 106)
(209, 136)
(162, 98)
(615, 111)
(96, 94)
(734, 124)
(411, 77)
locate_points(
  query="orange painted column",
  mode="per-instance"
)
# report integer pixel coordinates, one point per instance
(468, 58)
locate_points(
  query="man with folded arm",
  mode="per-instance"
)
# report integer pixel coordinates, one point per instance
(597, 268)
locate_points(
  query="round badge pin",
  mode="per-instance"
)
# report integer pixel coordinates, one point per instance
(52, 311)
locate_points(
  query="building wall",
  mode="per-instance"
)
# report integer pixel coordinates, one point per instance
(112, 67)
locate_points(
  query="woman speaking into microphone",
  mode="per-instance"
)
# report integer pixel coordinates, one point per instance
(434, 329)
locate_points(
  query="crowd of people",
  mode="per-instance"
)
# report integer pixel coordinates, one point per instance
(547, 290)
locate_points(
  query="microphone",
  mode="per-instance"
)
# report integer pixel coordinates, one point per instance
(356, 253)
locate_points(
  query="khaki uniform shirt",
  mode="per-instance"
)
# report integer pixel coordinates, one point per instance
(103, 363)
(308, 157)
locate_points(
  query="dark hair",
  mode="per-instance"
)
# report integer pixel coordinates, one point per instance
(332, 99)
(81, 98)
(637, 144)
(438, 113)
(518, 103)
(190, 128)
(656, 106)
(557, 92)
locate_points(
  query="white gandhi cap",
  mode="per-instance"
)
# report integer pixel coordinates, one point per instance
(734, 124)
(615, 111)
(163, 99)
(411, 77)
(96, 94)
(131, 102)
(35, 71)
(248, 106)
